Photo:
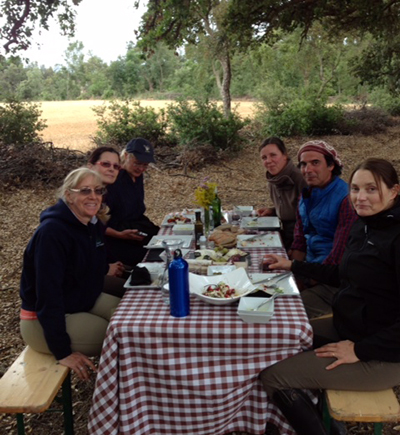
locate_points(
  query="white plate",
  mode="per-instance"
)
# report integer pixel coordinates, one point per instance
(261, 223)
(288, 285)
(156, 241)
(155, 270)
(165, 222)
(262, 241)
(237, 279)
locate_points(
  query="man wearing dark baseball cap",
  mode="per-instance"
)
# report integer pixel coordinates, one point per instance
(142, 149)
(324, 219)
(129, 229)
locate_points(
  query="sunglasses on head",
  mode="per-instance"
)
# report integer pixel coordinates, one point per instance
(109, 165)
(86, 191)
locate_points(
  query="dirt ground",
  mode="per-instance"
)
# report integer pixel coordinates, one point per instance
(241, 181)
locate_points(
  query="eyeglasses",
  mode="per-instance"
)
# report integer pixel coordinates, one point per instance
(86, 191)
(140, 165)
(108, 165)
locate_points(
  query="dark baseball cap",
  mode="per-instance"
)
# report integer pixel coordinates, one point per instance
(142, 149)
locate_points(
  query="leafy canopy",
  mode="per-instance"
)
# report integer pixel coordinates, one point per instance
(19, 18)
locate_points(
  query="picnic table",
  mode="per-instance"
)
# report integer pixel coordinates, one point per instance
(194, 375)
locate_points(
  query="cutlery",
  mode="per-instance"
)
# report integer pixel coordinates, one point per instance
(275, 295)
(257, 236)
(272, 278)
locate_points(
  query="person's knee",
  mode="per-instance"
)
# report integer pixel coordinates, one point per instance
(87, 333)
(268, 380)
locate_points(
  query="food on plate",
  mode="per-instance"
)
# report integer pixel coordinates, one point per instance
(226, 235)
(179, 219)
(220, 291)
(220, 255)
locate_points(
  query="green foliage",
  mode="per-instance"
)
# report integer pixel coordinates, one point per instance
(300, 117)
(383, 100)
(203, 123)
(20, 122)
(120, 121)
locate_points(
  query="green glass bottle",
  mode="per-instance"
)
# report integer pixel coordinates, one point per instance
(216, 208)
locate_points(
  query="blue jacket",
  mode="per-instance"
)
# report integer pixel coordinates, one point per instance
(63, 272)
(319, 212)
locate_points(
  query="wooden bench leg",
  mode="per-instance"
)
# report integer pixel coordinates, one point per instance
(378, 428)
(20, 424)
(67, 406)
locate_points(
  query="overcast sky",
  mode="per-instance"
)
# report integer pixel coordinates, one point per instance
(103, 26)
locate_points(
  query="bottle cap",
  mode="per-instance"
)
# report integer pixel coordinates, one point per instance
(202, 239)
(177, 253)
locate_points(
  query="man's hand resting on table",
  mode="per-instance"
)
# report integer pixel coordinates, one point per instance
(277, 262)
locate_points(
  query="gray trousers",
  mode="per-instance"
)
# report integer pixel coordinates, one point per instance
(307, 371)
(86, 330)
(318, 300)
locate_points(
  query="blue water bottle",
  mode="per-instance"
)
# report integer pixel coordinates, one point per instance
(178, 272)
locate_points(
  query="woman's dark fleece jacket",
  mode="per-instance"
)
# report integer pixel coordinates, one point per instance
(366, 310)
(63, 272)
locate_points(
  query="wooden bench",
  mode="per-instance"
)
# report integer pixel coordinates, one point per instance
(31, 384)
(363, 406)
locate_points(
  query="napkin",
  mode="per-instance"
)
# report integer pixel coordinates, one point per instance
(140, 276)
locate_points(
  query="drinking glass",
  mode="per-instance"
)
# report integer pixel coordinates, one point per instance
(170, 246)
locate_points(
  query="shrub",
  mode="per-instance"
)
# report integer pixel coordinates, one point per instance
(367, 121)
(203, 123)
(381, 99)
(300, 117)
(20, 122)
(118, 122)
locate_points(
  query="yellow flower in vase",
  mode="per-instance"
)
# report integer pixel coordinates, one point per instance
(204, 196)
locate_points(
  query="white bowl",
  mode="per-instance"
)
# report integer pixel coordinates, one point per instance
(238, 279)
(244, 210)
(183, 229)
(262, 315)
(220, 270)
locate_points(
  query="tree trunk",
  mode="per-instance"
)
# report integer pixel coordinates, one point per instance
(226, 82)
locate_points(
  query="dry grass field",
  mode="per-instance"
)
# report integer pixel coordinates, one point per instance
(71, 124)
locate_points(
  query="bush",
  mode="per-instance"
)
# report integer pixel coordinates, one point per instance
(20, 123)
(203, 123)
(301, 117)
(381, 99)
(365, 121)
(119, 122)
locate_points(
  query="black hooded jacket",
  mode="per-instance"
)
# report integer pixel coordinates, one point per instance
(63, 272)
(366, 310)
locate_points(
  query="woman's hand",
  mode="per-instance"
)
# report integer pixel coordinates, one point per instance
(80, 364)
(265, 211)
(277, 262)
(116, 269)
(342, 350)
(130, 235)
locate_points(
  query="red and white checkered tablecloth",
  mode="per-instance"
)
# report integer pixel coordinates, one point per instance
(195, 375)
